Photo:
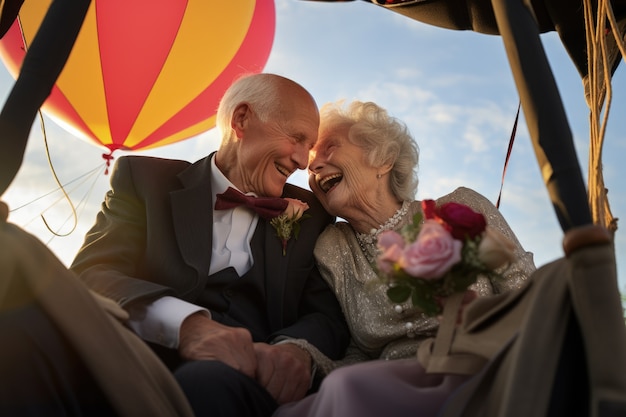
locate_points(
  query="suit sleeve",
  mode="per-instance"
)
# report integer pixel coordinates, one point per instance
(113, 248)
(321, 320)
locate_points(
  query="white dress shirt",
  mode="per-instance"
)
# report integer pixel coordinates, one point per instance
(159, 322)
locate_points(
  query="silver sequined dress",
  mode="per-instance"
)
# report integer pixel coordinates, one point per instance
(379, 328)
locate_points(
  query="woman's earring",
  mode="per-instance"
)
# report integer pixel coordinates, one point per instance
(378, 176)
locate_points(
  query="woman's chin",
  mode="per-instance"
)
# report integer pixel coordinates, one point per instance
(333, 205)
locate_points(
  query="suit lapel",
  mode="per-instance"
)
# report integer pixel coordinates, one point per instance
(275, 272)
(192, 215)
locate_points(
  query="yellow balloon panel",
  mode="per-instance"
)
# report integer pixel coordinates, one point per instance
(206, 43)
(83, 73)
(146, 73)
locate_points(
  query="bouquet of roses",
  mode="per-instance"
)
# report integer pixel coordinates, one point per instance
(441, 253)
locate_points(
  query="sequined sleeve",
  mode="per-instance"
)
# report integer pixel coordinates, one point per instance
(516, 274)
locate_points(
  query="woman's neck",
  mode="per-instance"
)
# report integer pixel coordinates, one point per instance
(373, 216)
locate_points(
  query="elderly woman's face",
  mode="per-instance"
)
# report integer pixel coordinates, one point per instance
(340, 176)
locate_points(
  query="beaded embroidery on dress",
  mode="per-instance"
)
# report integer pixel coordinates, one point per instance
(368, 241)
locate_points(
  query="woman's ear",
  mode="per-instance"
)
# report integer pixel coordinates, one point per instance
(239, 119)
(385, 168)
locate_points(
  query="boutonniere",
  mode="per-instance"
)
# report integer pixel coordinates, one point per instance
(288, 223)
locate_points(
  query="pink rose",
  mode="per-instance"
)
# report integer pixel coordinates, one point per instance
(391, 245)
(495, 249)
(432, 254)
(463, 221)
(390, 238)
(295, 209)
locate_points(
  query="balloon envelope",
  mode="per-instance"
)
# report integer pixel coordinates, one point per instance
(147, 73)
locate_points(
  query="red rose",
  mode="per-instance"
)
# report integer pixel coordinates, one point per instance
(429, 209)
(463, 221)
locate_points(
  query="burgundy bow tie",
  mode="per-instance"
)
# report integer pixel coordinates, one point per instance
(266, 207)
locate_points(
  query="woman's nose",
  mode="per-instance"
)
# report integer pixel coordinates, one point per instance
(315, 162)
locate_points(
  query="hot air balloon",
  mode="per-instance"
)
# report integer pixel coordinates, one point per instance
(147, 73)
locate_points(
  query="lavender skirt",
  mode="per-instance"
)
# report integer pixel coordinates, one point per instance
(378, 388)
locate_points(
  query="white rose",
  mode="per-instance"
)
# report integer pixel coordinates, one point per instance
(495, 249)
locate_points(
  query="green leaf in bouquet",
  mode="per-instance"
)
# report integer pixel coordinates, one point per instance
(411, 230)
(399, 293)
(425, 302)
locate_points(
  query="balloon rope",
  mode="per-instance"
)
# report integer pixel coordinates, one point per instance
(50, 164)
(599, 94)
(508, 153)
(620, 38)
(83, 202)
(84, 177)
(94, 173)
(58, 182)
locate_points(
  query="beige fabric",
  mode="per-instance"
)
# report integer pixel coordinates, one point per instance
(519, 335)
(489, 323)
(132, 377)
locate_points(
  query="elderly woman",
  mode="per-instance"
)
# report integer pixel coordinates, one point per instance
(363, 170)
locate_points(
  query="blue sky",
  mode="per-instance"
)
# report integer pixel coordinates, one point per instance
(454, 90)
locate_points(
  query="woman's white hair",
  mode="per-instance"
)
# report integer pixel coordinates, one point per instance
(385, 139)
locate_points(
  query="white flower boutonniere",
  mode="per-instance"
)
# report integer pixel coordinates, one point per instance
(288, 223)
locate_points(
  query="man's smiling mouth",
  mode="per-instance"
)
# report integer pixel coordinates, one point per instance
(283, 170)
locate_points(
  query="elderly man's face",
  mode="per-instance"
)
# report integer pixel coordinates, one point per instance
(270, 151)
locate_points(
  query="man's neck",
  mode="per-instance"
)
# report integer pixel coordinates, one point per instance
(226, 161)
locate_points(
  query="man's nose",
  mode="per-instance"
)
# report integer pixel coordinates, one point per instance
(301, 156)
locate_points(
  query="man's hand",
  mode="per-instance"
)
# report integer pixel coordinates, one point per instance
(284, 370)
(204, 339)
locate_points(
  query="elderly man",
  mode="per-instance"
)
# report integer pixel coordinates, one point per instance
(234, 309)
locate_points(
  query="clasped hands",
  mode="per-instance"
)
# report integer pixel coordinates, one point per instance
(283, 369)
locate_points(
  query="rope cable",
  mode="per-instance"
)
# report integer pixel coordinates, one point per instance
(94, 173)
(600, 63)
(50, 164)
(82, 177)
(82, 204)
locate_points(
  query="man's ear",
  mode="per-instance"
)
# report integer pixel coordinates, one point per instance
(240, 118)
